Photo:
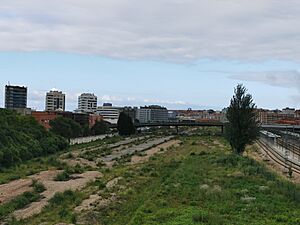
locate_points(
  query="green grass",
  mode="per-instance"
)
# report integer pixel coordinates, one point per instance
(168, 190)
(60, 209)
(29, 168)
(199, 182)
(18, 203)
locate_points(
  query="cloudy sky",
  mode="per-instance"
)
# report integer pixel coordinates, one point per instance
(177, 53)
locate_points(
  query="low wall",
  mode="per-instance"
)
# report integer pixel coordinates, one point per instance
(82, 140)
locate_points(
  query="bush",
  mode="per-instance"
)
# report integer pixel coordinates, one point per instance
(38, 186)
(18, 203)
(62, 176)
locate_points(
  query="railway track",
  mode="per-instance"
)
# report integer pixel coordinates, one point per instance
(279, 158)
(294, 148)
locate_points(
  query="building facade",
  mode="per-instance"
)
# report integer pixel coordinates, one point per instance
(15, 97)
(109, 113)
(152, 114)
(84, 119)
(55, 101)
(87, 102)
(44, 118)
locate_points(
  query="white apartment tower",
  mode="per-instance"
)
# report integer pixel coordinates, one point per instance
(55, 101)
(87, 102)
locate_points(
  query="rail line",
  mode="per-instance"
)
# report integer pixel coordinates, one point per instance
(279, 158)
(290, 146)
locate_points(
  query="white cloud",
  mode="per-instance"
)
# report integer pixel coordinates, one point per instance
(284, 79)
(287, 79)
(173, 30)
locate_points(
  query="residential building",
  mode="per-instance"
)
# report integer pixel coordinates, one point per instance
(15, 97)
(289, 111)
(172, 115)
(152, 113)
(109, 113)
(55, 101)
(286, 115)
(87, 102)
(202, 115)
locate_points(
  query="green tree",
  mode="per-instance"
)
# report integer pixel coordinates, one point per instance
(125, 125)
(65, 127)
(243, 126)
(100, 127)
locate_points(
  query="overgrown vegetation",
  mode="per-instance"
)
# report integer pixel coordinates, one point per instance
(100, 127)
(66, 127)
(199, 182)
(59, 209)
(18, 203)
(202, 184)
(22, 138)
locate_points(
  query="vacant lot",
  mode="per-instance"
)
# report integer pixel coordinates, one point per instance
(196, 182)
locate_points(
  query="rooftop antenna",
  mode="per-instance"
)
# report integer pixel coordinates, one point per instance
(8, 83)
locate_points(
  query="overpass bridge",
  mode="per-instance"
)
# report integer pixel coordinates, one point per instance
(208, 124)
(178, 124)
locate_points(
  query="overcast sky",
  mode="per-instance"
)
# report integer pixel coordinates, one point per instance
(177, 53)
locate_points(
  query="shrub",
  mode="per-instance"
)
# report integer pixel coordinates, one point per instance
(62, 176)
(38, 186)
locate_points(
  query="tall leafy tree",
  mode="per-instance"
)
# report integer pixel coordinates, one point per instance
(100, 127)
(65, 127)
(243, 126)
(125, 125)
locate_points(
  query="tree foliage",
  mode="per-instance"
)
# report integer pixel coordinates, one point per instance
(125, 125)
(243, 126)
(66, 127)
(22, 138)
(100, 127)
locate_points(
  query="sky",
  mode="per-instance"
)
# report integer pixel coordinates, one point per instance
(176, 53)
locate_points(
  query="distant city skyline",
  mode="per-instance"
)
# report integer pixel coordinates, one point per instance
(179, 54)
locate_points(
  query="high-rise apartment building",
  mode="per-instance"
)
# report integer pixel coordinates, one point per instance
(55, 101)
(15, 97)
(152, 113)
(87, 102)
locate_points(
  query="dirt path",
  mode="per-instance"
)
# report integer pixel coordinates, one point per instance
(157, 149)
(13, 189)
(53, 187)
(115, 155)
(76, 159)
(17, 187)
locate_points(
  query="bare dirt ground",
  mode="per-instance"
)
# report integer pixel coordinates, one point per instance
(17, 187)
(13, 189)
(53, 187)
(89, 203)
(80, 161)
(270, 164)
(157, 149)
(93, 164)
